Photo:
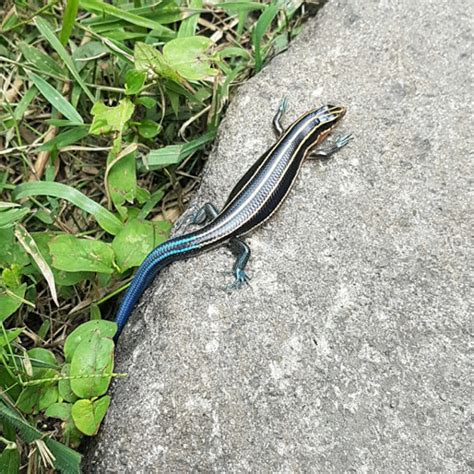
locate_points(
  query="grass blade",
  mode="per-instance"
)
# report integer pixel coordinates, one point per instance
(105, 218)
(174, 154)
(8, 218)
(41, 61)
(66, 138)
(24, 103)
(56, 99)
(188, 25)
(240, 6)
(69, 18)
(66, 460)
(7, 205)
(27, 432)
(259, 31)
(27, 242)
(47, 32)
(97, 6)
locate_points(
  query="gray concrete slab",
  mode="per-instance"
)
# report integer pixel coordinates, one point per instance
(349, 352)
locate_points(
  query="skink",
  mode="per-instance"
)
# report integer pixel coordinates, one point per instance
(253, 200)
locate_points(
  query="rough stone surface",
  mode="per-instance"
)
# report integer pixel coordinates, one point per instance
(349, 352)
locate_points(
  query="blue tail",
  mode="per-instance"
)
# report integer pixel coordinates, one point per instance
(156, 260)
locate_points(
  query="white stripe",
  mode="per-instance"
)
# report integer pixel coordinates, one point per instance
(237, 211)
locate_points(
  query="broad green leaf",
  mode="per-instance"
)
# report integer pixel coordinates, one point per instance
(11, 252)
(45, 29)
(122, 180)
(77, 255)
(61, 277)
(45, 216)
(147, 102)
(11, 335)
(8, 383)
(188, 57)
(65, 138)
(12, 276)
(97, 6)
(162, 230)
(92, 365)
(10, 216)
(108, 119)
(88, 415)
(47, 397)
(134, 81)
(43, 362)
(105, 218)
(136, 240)
(64, 385)
(35, 398)
(40, 60)
(84, 331)
(59, 410)
(28, 400)
(149, 128)
(63, 411)
(174, 154)
(10, 460)
(11, 300)
(148, 59)
(69, 18)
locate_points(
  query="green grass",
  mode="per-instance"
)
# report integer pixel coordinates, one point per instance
(107, 113)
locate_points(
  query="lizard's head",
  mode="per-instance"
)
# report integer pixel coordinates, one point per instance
(325, 119)
(329, 114)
